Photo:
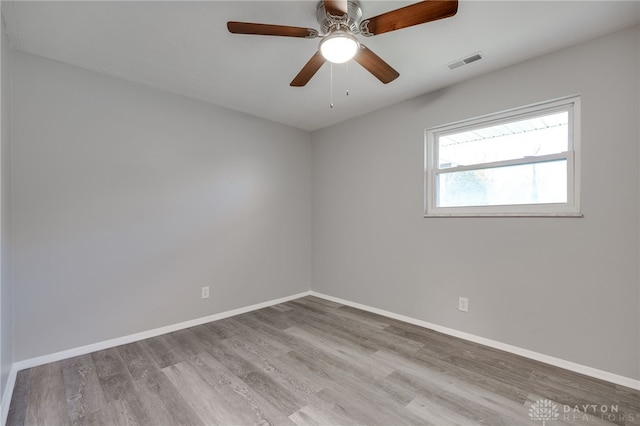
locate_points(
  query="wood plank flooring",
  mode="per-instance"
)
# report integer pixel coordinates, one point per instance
(312, 362)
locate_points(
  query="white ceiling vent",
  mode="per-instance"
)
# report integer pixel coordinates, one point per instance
(466, 61)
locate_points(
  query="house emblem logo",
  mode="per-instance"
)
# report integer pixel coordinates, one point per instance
(543, 410)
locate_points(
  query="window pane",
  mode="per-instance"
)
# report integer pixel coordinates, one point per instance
(536, 136)
(537, 183)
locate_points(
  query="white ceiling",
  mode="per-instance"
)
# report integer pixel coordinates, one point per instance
(184, 47)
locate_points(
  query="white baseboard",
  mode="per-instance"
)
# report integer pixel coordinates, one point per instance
(558, 362)
(6, 395)
(106, 344)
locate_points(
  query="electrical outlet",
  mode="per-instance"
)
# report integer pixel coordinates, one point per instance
(205, 292)
(463, 304)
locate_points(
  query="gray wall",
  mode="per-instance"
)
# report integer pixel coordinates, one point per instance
(127, 200)
(568, 288)
(6, 305)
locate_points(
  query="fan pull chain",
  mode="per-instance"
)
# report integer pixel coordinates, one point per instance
(331, 83)
(348, 78)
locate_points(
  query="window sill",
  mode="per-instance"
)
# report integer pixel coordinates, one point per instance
(461, 215)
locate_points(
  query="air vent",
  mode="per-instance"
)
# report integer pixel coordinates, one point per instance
(465, 61)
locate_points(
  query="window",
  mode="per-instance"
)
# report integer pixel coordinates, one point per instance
(522, 162)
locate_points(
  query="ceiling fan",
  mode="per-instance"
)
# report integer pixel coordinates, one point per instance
(340, 21)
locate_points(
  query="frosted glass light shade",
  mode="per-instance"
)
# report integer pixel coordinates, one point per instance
(338, 47)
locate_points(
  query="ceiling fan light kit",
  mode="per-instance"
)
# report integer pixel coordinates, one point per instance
(339, 47)
(340, 21)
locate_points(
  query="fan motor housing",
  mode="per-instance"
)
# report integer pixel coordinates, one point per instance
(328, 22)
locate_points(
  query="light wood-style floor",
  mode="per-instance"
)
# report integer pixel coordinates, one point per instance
(311, 362)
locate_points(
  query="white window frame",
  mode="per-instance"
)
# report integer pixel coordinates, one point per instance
(569, 209)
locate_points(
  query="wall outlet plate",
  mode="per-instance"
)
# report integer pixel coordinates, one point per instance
(463, 304)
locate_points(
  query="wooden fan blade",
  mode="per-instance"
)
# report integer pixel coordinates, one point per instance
(271, 30)
(408, 16)
(309, 70)
(375, 65)
(336, 7)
